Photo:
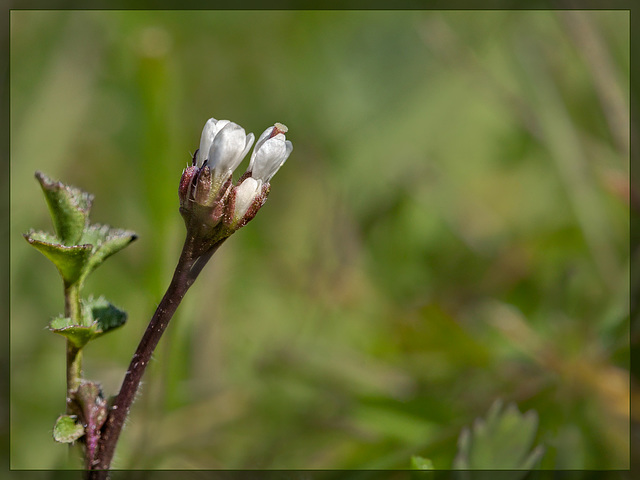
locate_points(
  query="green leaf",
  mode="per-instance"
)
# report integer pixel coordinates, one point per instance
(79, 335)
(77, 248)
(106, 241)
(69, 207)
(59, 323)
(502, 440)
(70, 261)
(421, 463)
(67, 430)
(105, 315)
(98, 317)
(76, 262)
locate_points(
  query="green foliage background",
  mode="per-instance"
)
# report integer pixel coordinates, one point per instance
(451, 228)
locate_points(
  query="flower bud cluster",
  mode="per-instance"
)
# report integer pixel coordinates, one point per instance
(208, 198)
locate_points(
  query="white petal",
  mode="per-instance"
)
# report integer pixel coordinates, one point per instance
(226, 149)
(263, 138)
(209, 132)
(270, 157)
(206, 139)
(247, 147)
(289, 149)
(245, 194)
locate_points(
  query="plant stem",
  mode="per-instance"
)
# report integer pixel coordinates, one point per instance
(74, 369)
(189, 266)
(72, 310)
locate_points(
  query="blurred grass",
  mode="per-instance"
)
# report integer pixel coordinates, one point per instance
(452, 228)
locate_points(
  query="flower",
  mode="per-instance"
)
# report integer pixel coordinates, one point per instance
(210, 204)
(223, 145)
(246, 193)
(211, 128)
(271, 151)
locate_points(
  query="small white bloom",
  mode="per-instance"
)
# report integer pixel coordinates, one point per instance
(224, 144)
(229, 147)
(210, 130)
(246, 192)
(271, 151)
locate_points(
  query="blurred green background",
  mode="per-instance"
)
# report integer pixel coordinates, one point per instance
(452, 228)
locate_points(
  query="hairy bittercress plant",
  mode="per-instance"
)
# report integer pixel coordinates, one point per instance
(213, 208)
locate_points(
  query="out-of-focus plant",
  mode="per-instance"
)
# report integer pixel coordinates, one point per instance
(502, 440)
(213, 208)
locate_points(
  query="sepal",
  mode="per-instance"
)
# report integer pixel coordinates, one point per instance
(186, 181)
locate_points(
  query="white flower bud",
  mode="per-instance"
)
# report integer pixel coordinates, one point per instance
(229, 147)
(246, 193)
(224, 144)
(271, 151)
(210, 130)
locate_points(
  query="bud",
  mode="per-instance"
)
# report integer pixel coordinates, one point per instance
(271, 151)
(246, 192)
(223, 145)
(212, 207)
(209, 132)
(229, 147)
